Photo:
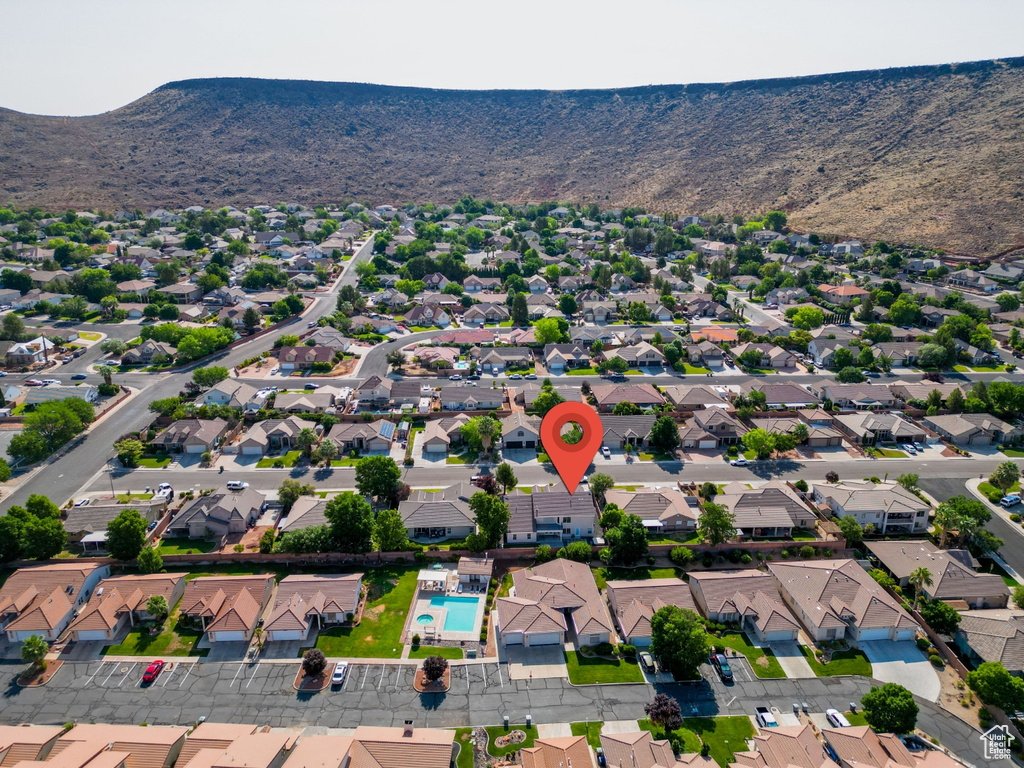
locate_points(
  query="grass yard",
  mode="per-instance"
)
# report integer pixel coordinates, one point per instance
(674, 538)
(585, 671)
(172, 641)
(125, 498)
(444, 652)
(979, 368)
(991, 566)
(691, 740)
(656, 456)
(605, 574)
(495, 731)
(378, 635)
(346, 462)
(762, 660)
(889, 453)
(803, 534)
(856, 718)
(687, 368)
(290, 459)
(725, 736)
(184, 546)
(852, 662)
(582, 372)
(1013, 453)
(467, 457)
(463, 737)
(89, 335)
(591, 730)
(155, 462)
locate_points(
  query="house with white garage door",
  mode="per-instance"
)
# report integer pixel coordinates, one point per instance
(120, 602)
(520, 431)
(837, 599)
(560, 588)
(227, 607)
(308, 600)
(633, 603)
(191, 435)
(42, 600)
(749, 598)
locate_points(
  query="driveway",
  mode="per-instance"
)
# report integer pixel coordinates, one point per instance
(903, 663)
(791, 660)
(541, 662)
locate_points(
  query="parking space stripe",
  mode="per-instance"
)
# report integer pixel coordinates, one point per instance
(169, 675)
(365, 675)
(112, 671)
(236, 675)
(127, 673)
(381, 681)
(498, 667)
(466, 668)
(348, 676)
(187, 673)
(89, 681)
(253, 675)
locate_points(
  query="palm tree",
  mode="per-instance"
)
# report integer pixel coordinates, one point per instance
(34, 651)
(920, 578)
(306, 440)
(106, 372)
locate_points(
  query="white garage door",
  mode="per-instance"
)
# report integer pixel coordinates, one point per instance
(227, 637)
(782, 636)
(707, 444)
(92, 634)
(286, 634)
(435, 448)
(544, 638)
(194, 449)
(252, 450)
(512, 638)
(877, 633)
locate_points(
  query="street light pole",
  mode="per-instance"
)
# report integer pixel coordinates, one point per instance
(110, 470)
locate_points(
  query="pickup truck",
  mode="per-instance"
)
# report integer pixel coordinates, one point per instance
(765, 718)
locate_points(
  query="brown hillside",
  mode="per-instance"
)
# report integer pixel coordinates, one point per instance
(932, 155)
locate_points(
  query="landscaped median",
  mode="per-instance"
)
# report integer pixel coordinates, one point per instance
(597, 670)
(515, 741)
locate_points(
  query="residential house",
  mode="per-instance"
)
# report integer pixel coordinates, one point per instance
(748, 598)
(31, 352)
(518, 430)
(952, 572)
(773, 510)
(785, 746)
(138, 287)
(558, 357)
(721, 425)
(435, 281)
(304, 601)
(772, 355)
(41, 600)
(910, 392)
(857, 397)
(559, 589)
(823, 349)
(53, 392)
(330, 337)
(704, 353)
(642, 395)
(527, 392)
(380, 325)
(549, 515)
(620, 431)
(79, 522)
(973, 355)
(376, 746)
(475, 570)
(861, 747)
(363, 436)
(479, 314)
(218, 514)
(192, 435)
(475, 284)
(972, 428)
(182, 293)
(600, 311)
(837, 599)
(660, 509)
(272, 435)
(28, 743)
(555, 751)
(975, 281)
(470, 399)
(888, 506)
(694, 397)
(642, 355)
(818, 435)
(633, 603)
(230, 392)
(427, 316)
(641, 750)
(445, 514)
(498, 359)
(130, 746)
(304, 358)
(993, 635)
(148, 352)
(376, 390)
(120, 601)
(840, 294)
(440, 434)
(322, 400)
(869, 428)
(899, 353)
(227, 607)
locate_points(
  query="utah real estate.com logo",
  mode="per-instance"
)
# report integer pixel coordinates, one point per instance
(997, 741)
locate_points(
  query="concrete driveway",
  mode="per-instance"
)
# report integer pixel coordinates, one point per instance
(539, 663)
(903, 663)
(791, 660)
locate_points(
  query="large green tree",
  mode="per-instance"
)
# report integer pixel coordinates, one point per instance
(492, 516)
(716, 524)
(290, 491)
(351, 520)
(126, 535)
(890, 709)
(628, 540)
(377, 477)
(389, 531)
(679, 640)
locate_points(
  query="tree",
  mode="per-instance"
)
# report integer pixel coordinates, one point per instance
(600, 483)
(149, 560)
(708, 491)
(169, 312)
(290, 491)
(210, 376)
(638, 312)
(389, 531)
(325, 452)
(611, 516)
(549, 331)
(627, 541)
(396, 359)
(126, 535)
(679, 639)
(955, 401)
(306, 439)
(832, 477)
(505, 476)
(377, 476)
(567, 305)
(665, 434)
(961, 514)
(920, 578)
(805, 318)
(665, 711)
(716, 524)
(34, 650)
(850, 375)
(129, 451)
(579, 551)
(314, 662)
(932, 356)
(157, 607)
(759, 441)
(626, 408)
(547, 399)
(908, 481)
(115, 347)
(941, 617)
(492, 516)
(851, 530)
(520, 311)
(996, 686)
(1005, 475)
(774, 221)
(351, 520)
(434, 668)
(267, 542)
(890, 709)
(251, 319)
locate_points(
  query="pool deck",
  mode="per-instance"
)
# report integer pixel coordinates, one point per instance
(421, 606)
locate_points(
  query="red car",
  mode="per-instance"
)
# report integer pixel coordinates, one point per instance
(152, 671)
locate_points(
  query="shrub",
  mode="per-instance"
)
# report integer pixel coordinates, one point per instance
(415, 640)
(314, 662)
(682, 555)
(108, 389)
(434, 668)
(936, 660)
(625, 649)
(806, 551)
(801, 485)
(745, 559)
(239, 548)
(785, 554)
(1015, 517)
(924, 643)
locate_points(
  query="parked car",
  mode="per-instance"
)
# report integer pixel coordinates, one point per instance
(311, 324)
(312, 386)
(765, 718)
(455, 377)
(3, 374)
(78, 377)
(33, 383)
(531, 376)
(601, 759)
(237, 485)
(909, 449)
(647, 661)
(837, 718)
(606, 451)
(1011, 500)
(918, 446)
(516, 376)
(721, 665)
(740, 462)
(54, 382)
(152, 671)
(164, 487)
(869, 374)
(474, 377)
(82, 502)
(338, 676)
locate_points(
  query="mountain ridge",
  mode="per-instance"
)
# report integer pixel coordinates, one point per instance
(927, 154)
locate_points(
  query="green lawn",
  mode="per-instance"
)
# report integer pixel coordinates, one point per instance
(435, 650)
(724, 735)
(155, 462)
(674, 538)
(390, 592)
(656, 456)
(184, 546)
(582, 372)
(605, 574)
(125, 498)
(585, 671)
(738, 641)
(172, 641)
(803, 534)
(687, 368)
(591, 730)
(889, 453)
(852, 662)
(691, 740)
(979, 368)
(462, 738)
(856, 718)
(1013, 453)
(346, 462)
(290, 459)
(467, 457)
(495, 731)
(991, 566)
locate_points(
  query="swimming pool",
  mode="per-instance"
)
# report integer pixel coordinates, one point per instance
(460, 613)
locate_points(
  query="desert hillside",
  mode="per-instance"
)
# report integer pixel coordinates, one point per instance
(932, 155)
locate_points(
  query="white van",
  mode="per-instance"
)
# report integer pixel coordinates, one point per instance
(237, 485)
(836, 718)
(1009, 501)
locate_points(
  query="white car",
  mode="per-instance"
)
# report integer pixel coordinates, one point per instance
(338, 676)
(237, 485)
(55, 382)
(82, 502)
(740, 462)
(765, 718)
(164, 487)
(606, 451)
(1011, 500)
(837, 718)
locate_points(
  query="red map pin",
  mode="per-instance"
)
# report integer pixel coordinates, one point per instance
(571, 461)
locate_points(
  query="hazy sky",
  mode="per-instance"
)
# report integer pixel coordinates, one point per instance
(74, 57)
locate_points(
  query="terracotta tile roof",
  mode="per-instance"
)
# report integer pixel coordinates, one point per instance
(995, 635)
(232, 602)
(42, 596)
(147, 746)
(125, 593)
(378, 747)
(952, 574)
(566, 585)
(24, 742)
(212, 736)
(862, 746)
(639, 749)
(635, 602)
(558, 753)
(516, 614)
(319, 751)
(791, 745)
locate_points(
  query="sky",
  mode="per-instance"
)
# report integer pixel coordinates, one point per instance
(78, 57)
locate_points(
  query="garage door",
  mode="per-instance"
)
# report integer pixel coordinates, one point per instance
(512, 638)
(286, 634)
(707, 444)
(877, 633)
(544, 638)
(514, 444)
(194, 449)
(227, 637)
(91, 634)
(252, 450)
(782, 636)
(442, 448)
